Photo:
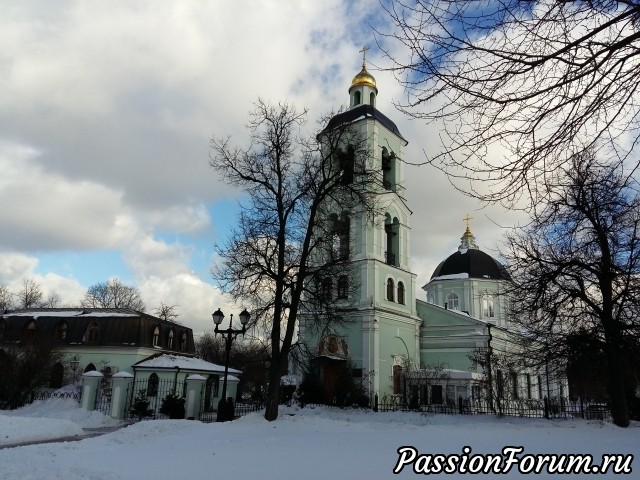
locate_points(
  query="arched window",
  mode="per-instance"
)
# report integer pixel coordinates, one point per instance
(372, 99)
(515, 390)
(91, 334)
(57, 376)
(392, 230)
(401, 293)
(89, 368)
(340, 227)
(152, 385)
(343, 284)
(170, 339)
(388, 169)
(453, 302)
(356, 97)
(156, 336)
(390, 288)
(183, 342)
(346, 162)
(397, 379)
(60, 332)
(487, 306)
(29, 332)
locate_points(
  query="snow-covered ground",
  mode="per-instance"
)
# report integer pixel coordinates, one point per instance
(309, 443)
(43, 420)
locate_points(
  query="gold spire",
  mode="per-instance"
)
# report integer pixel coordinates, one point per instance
(468, 240)
(466, 220)
(364, 77)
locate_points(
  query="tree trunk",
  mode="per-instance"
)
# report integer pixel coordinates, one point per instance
(273, 393)
(616, 387)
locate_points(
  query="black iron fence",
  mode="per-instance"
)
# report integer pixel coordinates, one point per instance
(208, 415)
(155, 400)
(530, 408)
(42, 395)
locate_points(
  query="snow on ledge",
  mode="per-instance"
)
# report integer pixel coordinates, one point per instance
(453, 276)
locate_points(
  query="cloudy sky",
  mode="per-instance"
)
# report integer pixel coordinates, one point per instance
(106, 111)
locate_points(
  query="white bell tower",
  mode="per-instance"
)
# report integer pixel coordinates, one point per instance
(382, 337)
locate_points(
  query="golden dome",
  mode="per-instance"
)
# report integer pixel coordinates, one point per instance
(364, 78)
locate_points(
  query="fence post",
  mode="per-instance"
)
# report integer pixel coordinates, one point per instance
(375, 403)
(460, 409)
(90, 384)
(194, 395)
(120, 388)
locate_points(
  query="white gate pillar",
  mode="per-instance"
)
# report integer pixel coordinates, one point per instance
(90, 384)
(194, 396)
(120, 388)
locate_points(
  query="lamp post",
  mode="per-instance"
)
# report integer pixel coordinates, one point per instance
(74, 362)
(229, 335)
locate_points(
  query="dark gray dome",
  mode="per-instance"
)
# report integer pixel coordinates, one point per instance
(473, 262)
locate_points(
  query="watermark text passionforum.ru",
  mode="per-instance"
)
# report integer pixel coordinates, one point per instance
(512, 458)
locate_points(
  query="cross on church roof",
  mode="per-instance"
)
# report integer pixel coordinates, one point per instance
(466, 219)
(364, 55)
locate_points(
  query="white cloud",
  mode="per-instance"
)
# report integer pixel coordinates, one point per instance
(106, 109)
(194, 299)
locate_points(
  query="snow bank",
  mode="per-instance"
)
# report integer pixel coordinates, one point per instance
(15, 429)
(47, 420)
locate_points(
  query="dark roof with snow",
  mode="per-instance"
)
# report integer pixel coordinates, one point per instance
(363, 111)
(111, 327)
(473, 262)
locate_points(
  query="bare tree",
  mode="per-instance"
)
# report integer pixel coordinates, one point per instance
(6, 298)
(544, 80)
(287, 247)
(167, 312)
(252, 358)
(113, 294)
(30, 295)
(25, 368)
(418, 382)
(52, 301)
(576, 269)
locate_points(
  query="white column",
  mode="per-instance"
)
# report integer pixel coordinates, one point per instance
(90, 384)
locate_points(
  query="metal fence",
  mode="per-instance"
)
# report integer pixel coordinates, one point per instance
(530, 408)
(145, 399)
(46, 395)
(42, 395)
(208, 415)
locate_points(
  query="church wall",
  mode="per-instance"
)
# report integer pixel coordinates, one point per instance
(470, 293)
(448, 337)
(397, 347)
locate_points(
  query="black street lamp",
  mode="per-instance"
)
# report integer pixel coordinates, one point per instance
(224, 413)
(73, 363)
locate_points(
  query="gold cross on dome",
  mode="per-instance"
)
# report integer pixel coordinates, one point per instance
(466, 219)
(364, 55)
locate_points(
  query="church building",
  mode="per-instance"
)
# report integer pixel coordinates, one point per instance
(395, 339)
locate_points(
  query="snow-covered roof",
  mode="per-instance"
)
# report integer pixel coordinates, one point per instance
(182, 362)
(71, 312)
